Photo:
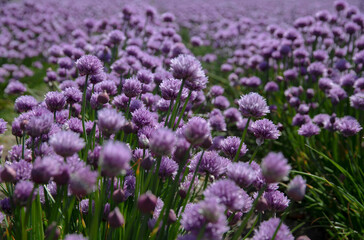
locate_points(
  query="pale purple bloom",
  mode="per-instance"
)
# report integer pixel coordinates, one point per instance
(2, 126)
(168, 168)
(241, 173)
(253, 105)
(309, 130)
(276, 200)
(229, 194)
(196, 130)
(229, 146)
(268, 228)
(114, 158)
(275, 167)
(264, 129)
(66, 143)
(82, 181)
(296, 188)
(132, 87)
(348, 126)
(89, 65)
(55, 101)
(110, 121)
(211, 163)
(22, 192)
(162, 141)
(25, 103)
(357, 101)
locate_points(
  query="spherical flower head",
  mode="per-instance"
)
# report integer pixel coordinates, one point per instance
(44, 169)
(348, 126)
(89, 65)
(264, 129)
(23, 190)
(357, 101)
(82, 181)
(74, 237)
(209, 214)
(15, 87)
(188, 68)
(143, 117)
(241, 173)
(25, 103)
(110, 121)
(168, 168)
(55, 101)
(115, 158)
(132, 87)
(230, 146)
(162, 141)
(216, 90)
(229, 194)
(38, 125)
(116, 36)
(267, 229)
(211, 163)
(276, 200)
(170, 88)
(147, 202)
(2, 126)
(296, 189)
(115, 218)
(66, 143)
(275, 167)
(253, 105)
(309, 130)
(72, 95)
(196, 131)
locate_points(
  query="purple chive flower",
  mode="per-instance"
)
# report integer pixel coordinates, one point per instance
(229, 194)
(110, 121)
(196, 131)
(276, 200)
(230, 146)
(275, 167)
(168, 168)
(267, 229)
(132, 87)
(38, 125)
(162, 141)
(188, 68)
(142, 117)
(66, 143)
(115, 157)
(211, 163)
(2, 126)
(82, 181)
(170, 88)
(74, 237)
(25, 103)
(241, 173)
(357, 101)
(147, 202)
(72, 95)
(15, 87)
(22, 192)
(216, 90)
(253, 105)
(23, 170)
(264, 129)
(44, 169)
(221, 102)
(309, 130)
(271, 87)
(208, 213)
(115, 218)
(89, 65)
(348, 126)
(55, 101)
(296, 188)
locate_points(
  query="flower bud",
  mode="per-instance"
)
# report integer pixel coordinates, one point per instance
(115, 218)
(8, 174)
(147, 202)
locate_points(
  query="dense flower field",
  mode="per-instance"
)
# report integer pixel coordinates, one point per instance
(183, 120)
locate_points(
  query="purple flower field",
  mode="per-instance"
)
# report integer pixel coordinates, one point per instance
(187, 120)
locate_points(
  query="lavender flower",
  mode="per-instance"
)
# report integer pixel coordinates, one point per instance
(89, 65)
(264, 129)
(309, 130)
(55, 101)
(82, 181)
(25, 103)
(230, 146)
(115, 157)
(275, 167)
(168, 168)
(357, 101)
(241, 173)
(162, 141)
(196, 130)
(2, 126)
(296, 188)
(74, 237)
(253, 105)
(208, 213)
(110, 121)
(229, 194)
(268, 228)
(276, 200)
(348, 126)
(66, 143)
(211, 163)
(132, 87)
(23, 190)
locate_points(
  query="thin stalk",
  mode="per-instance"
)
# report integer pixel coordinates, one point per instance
(84, 110)
(242, 140)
